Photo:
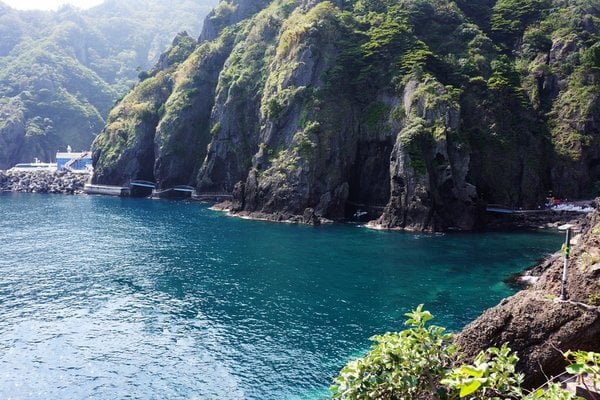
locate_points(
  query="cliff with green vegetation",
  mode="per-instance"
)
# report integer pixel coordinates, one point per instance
(418, 112)
(61, 72)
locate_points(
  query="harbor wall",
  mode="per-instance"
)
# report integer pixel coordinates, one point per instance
(60, 182)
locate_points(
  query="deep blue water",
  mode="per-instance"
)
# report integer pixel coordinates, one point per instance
(110, 298)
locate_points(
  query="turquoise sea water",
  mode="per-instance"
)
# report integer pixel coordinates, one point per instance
(110, 298)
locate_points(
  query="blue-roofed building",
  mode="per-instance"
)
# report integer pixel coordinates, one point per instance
(74, 161)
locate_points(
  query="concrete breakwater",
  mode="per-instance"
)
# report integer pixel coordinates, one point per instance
(42, 182)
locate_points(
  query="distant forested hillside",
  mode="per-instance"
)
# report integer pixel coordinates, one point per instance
(61, 72)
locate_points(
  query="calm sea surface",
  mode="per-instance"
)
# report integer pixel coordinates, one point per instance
(110, 298)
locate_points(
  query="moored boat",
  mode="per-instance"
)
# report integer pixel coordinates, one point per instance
(70, 161)
(36, 165)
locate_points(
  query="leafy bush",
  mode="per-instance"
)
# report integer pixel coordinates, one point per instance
(416, 364)
(591, 58)
(403, 365)
(584, 362)
(535, 41)
(511, 17)
(492, 374)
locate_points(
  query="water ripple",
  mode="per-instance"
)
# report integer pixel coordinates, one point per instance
(118, 298)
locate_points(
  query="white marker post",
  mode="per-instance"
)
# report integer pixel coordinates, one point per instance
(566, 249)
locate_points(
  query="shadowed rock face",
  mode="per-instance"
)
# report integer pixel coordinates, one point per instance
(304, 110)
(538, 326)
(538, 329)
(428, 171)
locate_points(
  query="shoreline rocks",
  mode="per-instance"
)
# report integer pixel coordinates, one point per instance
(542, 219)
(539, 326)
(59, 182)
(308, 218)
(519, 221)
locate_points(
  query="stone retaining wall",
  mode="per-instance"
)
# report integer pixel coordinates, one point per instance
(42, 182)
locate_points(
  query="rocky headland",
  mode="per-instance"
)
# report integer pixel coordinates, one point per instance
(536, 323)
(417, 113)
(42, 182)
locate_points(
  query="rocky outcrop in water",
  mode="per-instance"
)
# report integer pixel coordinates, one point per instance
(42, 182)
(413, 115)
(539, 326)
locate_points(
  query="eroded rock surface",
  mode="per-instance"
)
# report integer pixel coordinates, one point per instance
(538, 325)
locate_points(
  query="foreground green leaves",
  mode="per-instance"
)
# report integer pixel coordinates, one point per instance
(400, 365)
(492, 375)
(417, 364)
(584, 363)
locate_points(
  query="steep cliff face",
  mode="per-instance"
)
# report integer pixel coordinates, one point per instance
(235, 120)
(184, 125)
(181, 96)
(429, 165)
(130, 131)
(306, 140)
(562, 82)
(228, 13)
(134, 145)
(512, 152)
(415, 113)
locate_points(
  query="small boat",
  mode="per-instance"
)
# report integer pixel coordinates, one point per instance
(70, 161)
(36, 165)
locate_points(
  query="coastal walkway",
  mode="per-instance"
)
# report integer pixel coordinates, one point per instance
(576, 207)
(499, 208)
(212, 197)
(108, 190)
(180, 191)
(141, 188)
(365, 206)
(144, 184)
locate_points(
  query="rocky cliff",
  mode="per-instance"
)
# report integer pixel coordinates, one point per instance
(415, 112)
(537, 324)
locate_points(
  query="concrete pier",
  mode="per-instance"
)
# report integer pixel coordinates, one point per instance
(106, 190)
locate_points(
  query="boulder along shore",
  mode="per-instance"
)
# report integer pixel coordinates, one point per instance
(59, 182)
(536, 323)
(542, 219)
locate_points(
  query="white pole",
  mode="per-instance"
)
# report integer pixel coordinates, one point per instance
(566, 250)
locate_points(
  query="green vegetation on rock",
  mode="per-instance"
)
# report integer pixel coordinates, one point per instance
(421, 362)
(425, 109)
